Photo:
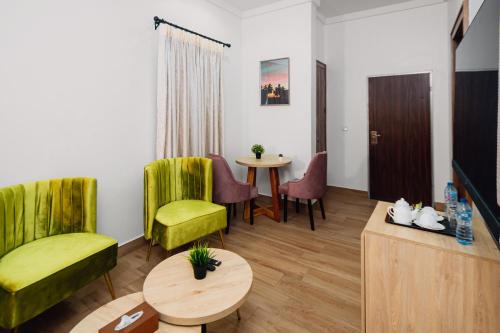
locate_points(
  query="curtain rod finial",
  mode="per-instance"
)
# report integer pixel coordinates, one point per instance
(159, 21)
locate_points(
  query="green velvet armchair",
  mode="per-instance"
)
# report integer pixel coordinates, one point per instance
(178, 206)
(48, 246)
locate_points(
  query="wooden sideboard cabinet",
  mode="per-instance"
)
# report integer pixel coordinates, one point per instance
(417, 281)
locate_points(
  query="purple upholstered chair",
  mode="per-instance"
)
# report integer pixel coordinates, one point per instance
(227, 190)
(311, 186)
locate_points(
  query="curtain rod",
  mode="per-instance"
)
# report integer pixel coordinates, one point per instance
(159, 21)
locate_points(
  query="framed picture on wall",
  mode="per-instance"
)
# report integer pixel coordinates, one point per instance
(275, 82)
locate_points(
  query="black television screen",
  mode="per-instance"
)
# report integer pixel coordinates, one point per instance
(476, 113)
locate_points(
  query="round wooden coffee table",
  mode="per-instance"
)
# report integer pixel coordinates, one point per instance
(172, 290)
(273, 162)
(109, 312)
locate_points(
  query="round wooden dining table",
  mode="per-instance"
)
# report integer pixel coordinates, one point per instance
(272, 162)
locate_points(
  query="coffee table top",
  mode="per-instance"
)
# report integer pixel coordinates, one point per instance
(109, 312)
(266, 161)
(180, 299)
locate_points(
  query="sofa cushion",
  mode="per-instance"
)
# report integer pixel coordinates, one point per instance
(39, 259)
(46, 271)
(183, 221)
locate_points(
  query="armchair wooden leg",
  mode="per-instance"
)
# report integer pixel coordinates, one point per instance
(297, 205)
(238, 314)
(150, 246)
(311, 217)
(322, 208)
(252, 207)
(221, 236)
(285, 208)
(235, 213)
(228, 208)
(109, 284)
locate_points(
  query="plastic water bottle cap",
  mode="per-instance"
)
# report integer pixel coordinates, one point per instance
(450, 183)
(463, 200)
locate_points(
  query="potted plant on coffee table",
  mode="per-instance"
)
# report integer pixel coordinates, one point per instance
(258, 150)
(199, 257)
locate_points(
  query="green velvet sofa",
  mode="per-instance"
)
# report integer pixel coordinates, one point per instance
(178, 206)
(48, 246)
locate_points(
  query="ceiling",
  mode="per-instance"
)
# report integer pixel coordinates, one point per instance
(328, 8)
(331, 8)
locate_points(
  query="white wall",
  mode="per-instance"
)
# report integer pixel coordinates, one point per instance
(281, 129)
(474, 6)
(78, 83)
(319, 39)
(406, 41)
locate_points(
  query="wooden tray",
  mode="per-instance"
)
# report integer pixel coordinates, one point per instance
(447, 231)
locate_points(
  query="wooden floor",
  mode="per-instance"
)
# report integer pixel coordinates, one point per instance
(304, 281)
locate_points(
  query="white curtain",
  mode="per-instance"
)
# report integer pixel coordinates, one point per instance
(190, 115)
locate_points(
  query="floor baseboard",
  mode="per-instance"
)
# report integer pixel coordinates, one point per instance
(346, 189)
(130, 246)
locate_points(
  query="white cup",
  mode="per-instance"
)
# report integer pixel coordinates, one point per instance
(431, 211)
(427, 220)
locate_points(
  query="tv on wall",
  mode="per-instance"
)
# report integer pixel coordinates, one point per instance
(475, 147)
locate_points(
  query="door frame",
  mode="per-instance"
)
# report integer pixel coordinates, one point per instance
(326, 106)
(431, 114)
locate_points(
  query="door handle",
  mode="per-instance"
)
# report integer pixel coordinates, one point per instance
(374, 137)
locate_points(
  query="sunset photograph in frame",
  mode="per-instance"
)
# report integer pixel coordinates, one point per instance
(275, 82)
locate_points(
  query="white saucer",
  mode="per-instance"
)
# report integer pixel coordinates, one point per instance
(439, 218)
(436, 226)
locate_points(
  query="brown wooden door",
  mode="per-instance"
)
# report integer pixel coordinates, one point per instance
(320, 106)
(400, 138)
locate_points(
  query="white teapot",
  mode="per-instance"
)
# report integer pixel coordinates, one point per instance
(401, 212)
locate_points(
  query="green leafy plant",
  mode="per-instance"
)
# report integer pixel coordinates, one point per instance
(256, 148)
(200, 254)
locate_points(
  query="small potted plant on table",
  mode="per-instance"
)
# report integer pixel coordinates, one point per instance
(258, 150)
(199, 257)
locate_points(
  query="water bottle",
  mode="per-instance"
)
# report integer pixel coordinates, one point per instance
(464, 223)
(451, 198)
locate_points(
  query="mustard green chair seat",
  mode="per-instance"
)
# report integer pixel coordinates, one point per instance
(48, 245)
(43, 258)
(180, 221)
(178, 206)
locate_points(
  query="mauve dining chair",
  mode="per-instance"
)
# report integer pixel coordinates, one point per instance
(311, 186)
(227, 190)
